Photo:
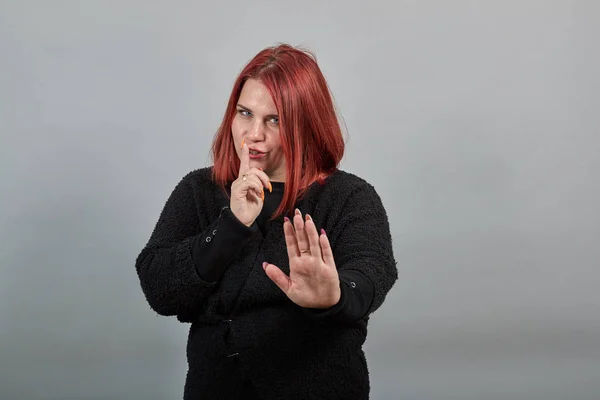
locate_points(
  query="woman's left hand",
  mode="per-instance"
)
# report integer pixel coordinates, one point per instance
(313, 280)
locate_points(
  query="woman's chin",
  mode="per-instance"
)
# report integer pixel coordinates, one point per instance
(257, 164)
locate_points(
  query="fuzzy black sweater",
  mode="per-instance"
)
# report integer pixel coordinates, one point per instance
(212, 253)
(246, 334)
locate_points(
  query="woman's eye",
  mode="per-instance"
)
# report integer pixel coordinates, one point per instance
(245, 113)
(274, 120)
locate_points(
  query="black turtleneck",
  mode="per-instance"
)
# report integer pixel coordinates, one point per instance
(212, 257)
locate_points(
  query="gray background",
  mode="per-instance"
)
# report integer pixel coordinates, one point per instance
(477, 122)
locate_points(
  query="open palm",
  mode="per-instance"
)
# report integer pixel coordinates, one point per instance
(313, 280)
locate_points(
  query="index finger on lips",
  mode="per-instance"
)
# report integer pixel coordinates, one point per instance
(244, 158)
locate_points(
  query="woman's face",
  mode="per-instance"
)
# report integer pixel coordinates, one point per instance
(257, 122)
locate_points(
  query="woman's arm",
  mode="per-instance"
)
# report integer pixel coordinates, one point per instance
(213, 249)
(363, 253)
(167, 273)
(355, 300)
(353, 269)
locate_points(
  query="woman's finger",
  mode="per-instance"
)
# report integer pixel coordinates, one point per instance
(244, 158)
(313, 236)
(301, 237)
(326, 251)
(264, 178)
(290, 239)
(250, 184)
(278, 277)
(255, 185)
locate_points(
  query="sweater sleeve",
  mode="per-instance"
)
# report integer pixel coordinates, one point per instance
(213, 249)
(355, 300)
(165, 268)
(362, 246)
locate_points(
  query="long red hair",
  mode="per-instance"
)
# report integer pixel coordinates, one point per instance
(311, 137)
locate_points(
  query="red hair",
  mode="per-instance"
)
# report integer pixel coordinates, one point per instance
(311, 137)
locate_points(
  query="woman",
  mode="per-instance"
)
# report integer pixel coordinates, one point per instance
(279, 306)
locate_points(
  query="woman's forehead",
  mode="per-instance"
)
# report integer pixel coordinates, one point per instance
(256, 97)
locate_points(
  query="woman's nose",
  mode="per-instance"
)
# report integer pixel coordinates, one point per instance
(257, 131)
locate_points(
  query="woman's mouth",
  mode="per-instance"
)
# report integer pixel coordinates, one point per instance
(256, 154)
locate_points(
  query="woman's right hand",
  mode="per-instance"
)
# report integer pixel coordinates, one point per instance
(247, 191)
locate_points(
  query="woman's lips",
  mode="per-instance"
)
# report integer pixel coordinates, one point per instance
(256, 156)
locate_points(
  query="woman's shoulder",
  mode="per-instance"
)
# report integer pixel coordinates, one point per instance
(347, 181)
(344, 190)
(344, 186)
(199, 176)
(198, 181)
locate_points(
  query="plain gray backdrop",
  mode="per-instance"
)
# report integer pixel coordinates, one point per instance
(476, 121)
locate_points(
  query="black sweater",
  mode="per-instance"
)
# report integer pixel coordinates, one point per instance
(211, 255)
(244, 316)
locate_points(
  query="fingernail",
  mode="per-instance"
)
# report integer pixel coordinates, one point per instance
(323, 231)
(262, 195)
(308, 218)
(260, 168)
(298, 212)
(286, 219)
(270, 188)
(264, 265)
(243, 141)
